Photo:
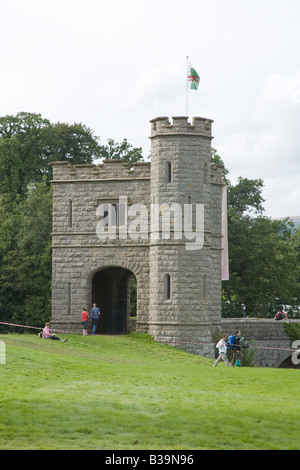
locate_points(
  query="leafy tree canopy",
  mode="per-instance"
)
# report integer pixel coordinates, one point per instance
(121, 151)
(263, 268)
(30, 143)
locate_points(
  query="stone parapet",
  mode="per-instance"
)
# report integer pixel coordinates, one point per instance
(107, 171)
(162, 126)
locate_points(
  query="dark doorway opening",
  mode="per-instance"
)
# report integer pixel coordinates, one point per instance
(111, 292)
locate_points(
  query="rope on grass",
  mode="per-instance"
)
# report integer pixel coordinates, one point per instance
(30, 327)
(249, 345)
(161, 341)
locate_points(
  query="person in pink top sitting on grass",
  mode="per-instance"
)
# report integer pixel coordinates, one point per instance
(47, 335)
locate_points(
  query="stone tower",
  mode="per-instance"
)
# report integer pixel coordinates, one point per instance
(162, 225)
(185, 264)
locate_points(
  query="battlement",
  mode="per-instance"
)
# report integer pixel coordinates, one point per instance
(216, 174)
(200, 127)
(107, 170)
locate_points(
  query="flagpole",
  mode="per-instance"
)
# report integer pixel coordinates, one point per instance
(187, 85)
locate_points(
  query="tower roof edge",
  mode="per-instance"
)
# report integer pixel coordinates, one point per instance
(181, 125)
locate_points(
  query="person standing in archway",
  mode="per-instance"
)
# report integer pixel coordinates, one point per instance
(95, 314)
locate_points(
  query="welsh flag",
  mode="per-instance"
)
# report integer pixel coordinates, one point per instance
(193, 78)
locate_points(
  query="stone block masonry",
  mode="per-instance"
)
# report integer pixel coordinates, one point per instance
(181, 173)
(178, 284)
(270, 342)
(78, 254)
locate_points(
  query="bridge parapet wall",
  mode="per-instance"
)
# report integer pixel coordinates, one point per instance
(266, 334)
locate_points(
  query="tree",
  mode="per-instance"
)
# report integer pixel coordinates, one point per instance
(74, 143)
(121, 151)
(262, 265)
(245, 197)
(262, 261)
(20, 140)
(296, 247)
(29, 143)
(25, 276)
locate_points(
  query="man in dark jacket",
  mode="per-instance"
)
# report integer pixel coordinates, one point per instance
(236, 350)
(95, 314)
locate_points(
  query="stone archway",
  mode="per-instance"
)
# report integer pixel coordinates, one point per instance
(110, 291)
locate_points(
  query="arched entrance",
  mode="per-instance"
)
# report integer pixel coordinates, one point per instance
(110, 291)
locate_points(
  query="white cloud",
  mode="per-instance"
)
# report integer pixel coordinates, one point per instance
(265, 143)
(281, 89)
(116, 65)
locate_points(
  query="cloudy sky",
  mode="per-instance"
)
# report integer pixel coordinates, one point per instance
(114, 65)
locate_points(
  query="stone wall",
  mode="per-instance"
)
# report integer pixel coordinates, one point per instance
(78, 253)
(266, 338)
(266, 334)
(181, 174)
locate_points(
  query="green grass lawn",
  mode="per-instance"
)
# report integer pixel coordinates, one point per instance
(129, 393)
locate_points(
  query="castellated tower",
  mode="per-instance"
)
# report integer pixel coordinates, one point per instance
(185, 271)
(157, 222)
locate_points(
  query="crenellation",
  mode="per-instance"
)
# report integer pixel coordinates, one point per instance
(141, 169)
(216, 174)
(108, 169)
(199, 127)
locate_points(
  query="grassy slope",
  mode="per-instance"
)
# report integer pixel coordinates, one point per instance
(126, 393)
